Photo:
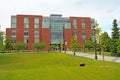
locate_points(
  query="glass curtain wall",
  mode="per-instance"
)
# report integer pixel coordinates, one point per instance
(56, 29)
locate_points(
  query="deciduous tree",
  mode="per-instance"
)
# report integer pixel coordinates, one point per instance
(8, 44)
(74, 46)
(38, 46)
(1, 42)
(19, 46)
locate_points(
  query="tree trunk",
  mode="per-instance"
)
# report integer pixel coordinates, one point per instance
(74, 53)
(103, 57)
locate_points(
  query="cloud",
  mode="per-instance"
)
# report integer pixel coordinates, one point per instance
(103, 10)
(79, 2)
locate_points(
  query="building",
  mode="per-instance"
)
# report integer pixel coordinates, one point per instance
(51, 30)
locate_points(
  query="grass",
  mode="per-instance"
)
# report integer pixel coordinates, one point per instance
(93, 52)
(54, 66)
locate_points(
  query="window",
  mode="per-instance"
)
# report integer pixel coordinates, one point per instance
(25, 36)
(92, 23)
(13, 22)
(25, 32)
(83, 35)
(13, 19)
(36, 25)
(13, 25)
(26, 40)
(74, 22)
(36, 36)
(36, 39)
(45, 22)
(36, 33)
(13, 39)
(75, 27)
(67, 25)
(75, 34)
(36, 22)
(26, 22)
(13, 32)
(26, 25)
(83, 24)
(83, 21)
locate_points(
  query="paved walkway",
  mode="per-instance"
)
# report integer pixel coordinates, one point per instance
(107, 58)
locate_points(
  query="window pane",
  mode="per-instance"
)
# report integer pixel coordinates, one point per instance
(83, 25)
(92, 23)
(74, 22)
(25, 32)
(26, 20)
(26, 25)
(13, 39)
(75, 27)
(45, 22)
(13, 19)
(26, 40)
(67, 25)
(36, 33)
(13, 25)
(83, 21)
(36, 39)
(83, 35)
(36, 20)
(13, 32)
(36, 25)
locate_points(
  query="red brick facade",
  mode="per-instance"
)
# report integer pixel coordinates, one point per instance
(44, 35)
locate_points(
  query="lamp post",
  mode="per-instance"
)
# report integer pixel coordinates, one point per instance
(95, 45)
(84, 46)
(65, 43)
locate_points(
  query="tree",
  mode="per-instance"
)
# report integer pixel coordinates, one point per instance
(8, 44)
(19, 46)
(53, 47)
(89, 44)
(118, 47)
(1, 42)
(74, 46)
(105, 41)
(105, 44)
(115, 36)
(38, 46)
(97, 31)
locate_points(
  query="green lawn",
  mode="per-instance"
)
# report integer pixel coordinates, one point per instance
(54, 66)
(93, 52)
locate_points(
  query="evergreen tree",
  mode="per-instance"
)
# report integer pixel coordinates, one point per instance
(115, 30)
(118, 47)
(115, 36)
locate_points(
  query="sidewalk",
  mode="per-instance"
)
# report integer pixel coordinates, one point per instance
(107, 58)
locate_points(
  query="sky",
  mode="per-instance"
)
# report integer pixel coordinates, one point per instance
(104, 11)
